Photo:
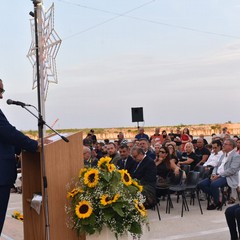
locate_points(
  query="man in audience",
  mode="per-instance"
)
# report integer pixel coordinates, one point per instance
(215, 155)
(112, 153)
(226, 172)
(144, 144)
(89, 161)
(141, 134)
(156, 137)
(121, 139)
(204, 140)
(238, 146)
(201, 151)
(126, 161)
(145, 171)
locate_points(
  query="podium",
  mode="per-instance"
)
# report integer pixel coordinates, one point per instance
(62, 162)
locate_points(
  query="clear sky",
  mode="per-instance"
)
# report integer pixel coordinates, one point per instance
(178, 59)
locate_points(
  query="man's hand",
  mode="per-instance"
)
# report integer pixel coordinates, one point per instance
(214, 177)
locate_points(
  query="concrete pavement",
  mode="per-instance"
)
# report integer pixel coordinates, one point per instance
(209, 226)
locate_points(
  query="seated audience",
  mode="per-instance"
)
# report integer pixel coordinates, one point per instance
(141, 134)
(201, 151)
(89, 160)
(144, 144)
(225, 173)
(126, 161)
(189, 157)
(185, 137)
(215, 155)
(156, 137)
(165, 165)
(121, 139)
(145, 171)
(112, 153)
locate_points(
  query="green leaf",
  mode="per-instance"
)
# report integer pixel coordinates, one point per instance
(108, 213)
(136, 228)
(106, 177)
(118, 209)
(132, 189)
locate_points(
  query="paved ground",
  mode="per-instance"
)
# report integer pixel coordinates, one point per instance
(209, 226)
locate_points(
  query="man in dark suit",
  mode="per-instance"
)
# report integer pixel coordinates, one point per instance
(144, 144)
(126, 161)
(10, 140)
(145, 172)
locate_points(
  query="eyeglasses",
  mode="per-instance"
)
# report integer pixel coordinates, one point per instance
(2, 90)
(162, 151)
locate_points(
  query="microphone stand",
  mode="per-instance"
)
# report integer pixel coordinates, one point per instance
(41, 123)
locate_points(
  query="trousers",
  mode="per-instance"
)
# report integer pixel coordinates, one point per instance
(212, 187)
(232, 215)
(4, 198)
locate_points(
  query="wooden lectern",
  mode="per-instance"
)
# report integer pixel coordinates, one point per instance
(62, 162)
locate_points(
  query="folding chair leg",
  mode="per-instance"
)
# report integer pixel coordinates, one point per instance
(159, 217)
(199, 202)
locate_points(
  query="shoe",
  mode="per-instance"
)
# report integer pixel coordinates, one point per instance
(212, 207)
(231, 200)
(220, 205)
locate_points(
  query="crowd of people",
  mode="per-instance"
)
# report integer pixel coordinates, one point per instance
(152, 159)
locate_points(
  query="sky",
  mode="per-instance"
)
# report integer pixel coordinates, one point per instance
(178, 59)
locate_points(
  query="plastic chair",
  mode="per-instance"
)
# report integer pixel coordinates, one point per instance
(176, 185)
(201, 170)
(191, 185)
(185, 168)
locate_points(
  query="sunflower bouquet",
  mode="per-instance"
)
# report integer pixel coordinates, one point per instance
(105, 196)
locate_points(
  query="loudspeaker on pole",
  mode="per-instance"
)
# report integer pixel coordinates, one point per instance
(137, 114)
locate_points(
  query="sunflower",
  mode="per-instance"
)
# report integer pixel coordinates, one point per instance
(106, 200)
(82, 170)
(83, 209)
(116, 197)
(141, 209)
(103, 162)
(74, 192)
(91, 177)
(140, 187)
(125, 176)
(111, 167)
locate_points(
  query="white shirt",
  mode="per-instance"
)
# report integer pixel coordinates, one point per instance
(213, 159)
(221, 167)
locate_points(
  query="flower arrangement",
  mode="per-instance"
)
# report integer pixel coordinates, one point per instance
(105, 196)
(17, 215)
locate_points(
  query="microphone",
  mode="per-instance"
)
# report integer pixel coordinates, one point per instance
(10, 101)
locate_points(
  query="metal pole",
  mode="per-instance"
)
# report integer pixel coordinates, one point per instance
(40, 86)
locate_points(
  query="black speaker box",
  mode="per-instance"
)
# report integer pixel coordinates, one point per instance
(137, 114)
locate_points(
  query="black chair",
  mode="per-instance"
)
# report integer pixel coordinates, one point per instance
(176, 186)
(201, 170)
(191, 186)
(186, 168)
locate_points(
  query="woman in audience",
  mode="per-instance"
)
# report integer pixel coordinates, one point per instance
(165, 165)
(157, 148)
(185, 137)
(172, 151)
(188, 156)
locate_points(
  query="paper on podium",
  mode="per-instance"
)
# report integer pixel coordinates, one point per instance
(56, 137)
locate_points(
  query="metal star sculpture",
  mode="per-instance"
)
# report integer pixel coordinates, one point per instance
(49, 44)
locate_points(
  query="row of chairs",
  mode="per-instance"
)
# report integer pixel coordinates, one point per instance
(185, 182)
